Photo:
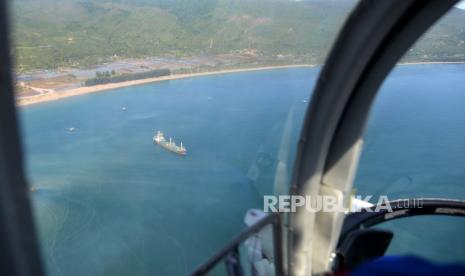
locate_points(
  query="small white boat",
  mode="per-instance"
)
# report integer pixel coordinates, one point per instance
(123, 108)
(71, 129)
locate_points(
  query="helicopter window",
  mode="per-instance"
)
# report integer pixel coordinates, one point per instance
(111, 194)
(413, 143)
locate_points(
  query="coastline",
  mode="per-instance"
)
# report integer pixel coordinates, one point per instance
(431, 62)
(53, 96)
(36, 99)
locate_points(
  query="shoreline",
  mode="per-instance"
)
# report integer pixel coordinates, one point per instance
(431, 62)
(36, 99)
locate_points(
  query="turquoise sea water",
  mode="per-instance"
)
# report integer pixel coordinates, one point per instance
(415, 147)
(109, 202)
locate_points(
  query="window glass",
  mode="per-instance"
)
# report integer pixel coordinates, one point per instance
(96, 80)
(414, 145)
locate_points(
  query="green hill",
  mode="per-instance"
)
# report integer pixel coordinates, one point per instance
(50, 34)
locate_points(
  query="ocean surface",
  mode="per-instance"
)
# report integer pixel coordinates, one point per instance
(110, 202)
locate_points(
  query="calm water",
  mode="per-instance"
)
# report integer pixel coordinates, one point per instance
(415, 147)
(112, 203)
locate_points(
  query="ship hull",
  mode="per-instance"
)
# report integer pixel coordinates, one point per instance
(167, 147)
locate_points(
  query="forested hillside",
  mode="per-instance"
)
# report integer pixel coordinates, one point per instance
(74, 33)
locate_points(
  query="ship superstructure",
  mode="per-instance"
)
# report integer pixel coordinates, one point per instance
(169, 144)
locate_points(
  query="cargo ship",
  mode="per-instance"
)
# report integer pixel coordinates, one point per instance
(169, 145)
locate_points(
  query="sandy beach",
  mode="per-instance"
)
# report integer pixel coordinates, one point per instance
(53, 96)
(431, 62)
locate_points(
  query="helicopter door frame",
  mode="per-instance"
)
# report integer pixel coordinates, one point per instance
(371, 42)
(19, 249)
